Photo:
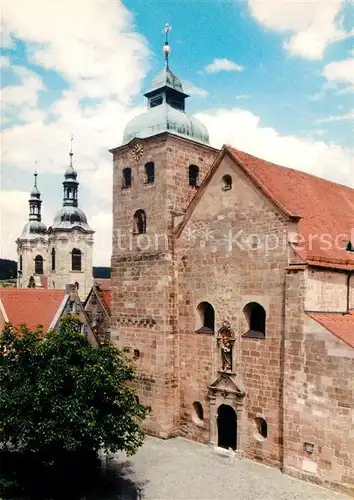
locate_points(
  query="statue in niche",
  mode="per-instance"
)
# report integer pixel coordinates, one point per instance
(225, 340)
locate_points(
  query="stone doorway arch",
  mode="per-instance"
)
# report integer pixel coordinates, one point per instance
(227, 427)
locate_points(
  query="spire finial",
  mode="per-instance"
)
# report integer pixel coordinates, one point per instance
(35, 174)
(166, 47)
(71, 154)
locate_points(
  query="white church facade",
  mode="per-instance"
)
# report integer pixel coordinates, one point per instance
(52, 257)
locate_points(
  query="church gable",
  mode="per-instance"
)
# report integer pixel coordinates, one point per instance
(230, 203)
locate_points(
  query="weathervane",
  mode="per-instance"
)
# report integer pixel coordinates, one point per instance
(166, 47)
(71, 150)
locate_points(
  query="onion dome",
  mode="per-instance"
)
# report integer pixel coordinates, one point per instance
(70, 216)
(166, 109)
(34, 228)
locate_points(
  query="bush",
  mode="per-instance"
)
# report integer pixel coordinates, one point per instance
(62, 397)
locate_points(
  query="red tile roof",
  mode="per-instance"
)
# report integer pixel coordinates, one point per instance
(342, 325)
(105, 292)
(326, 209)
(30, 306)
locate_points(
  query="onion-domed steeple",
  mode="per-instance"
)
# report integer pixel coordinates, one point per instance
(34, 228)
(166, 109)
(70, 215)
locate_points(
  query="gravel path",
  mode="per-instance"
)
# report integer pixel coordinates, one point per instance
(178, 469)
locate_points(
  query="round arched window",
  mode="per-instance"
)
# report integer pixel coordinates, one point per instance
(226, 182)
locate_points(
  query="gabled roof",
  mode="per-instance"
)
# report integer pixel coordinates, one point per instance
(341, 325)
(31, 306)
(324, 210)
(102, 290)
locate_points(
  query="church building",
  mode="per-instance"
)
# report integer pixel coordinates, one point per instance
(233, 292)
(62, 253)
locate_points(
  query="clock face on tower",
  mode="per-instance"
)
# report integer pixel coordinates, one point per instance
(138, 150)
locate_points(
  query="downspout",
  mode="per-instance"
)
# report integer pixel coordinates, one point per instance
(282, 371)
(350, 274)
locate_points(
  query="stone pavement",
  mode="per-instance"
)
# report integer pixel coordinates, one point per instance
(178, 469)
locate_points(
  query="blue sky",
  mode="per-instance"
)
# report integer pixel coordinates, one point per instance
(272, 77)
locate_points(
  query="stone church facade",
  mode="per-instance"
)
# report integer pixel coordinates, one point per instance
(62, 253)
(239, 320)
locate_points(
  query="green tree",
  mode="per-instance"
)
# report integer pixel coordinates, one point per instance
(61, 396)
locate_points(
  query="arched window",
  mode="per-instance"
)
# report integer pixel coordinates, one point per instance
(226, 182)
(150, 172)
(198, 415)
(262, 427)
(127, 177)
(38, 265)
(193, 175)
(256, 318)
(76, 260)
(206, 318)
(21, 262)
(139, 222)
(53, 259)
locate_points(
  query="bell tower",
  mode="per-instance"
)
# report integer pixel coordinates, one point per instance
(156, 172)
(32, 244)
(70, 240)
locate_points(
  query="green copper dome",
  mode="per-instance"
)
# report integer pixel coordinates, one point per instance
(165, 118)
(166, 112)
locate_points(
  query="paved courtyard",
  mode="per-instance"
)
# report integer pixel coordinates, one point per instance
(178, 469)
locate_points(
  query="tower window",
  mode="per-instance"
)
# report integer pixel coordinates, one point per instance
(349, 246)
(127, 177)
(38, 265)
(139, 222)
(226, 182)
(156, 101)
(53, 259)
(150, 172)
(76, 260)
(21, 262)
(256, 317)
(206, 318)
(193, 175)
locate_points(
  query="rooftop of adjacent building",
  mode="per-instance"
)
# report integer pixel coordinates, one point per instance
(30, 306)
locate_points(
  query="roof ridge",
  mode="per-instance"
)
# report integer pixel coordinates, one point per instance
(307, 174)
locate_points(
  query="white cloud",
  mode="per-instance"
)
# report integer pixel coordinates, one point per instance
(341, 72)
(244, 131)
(4, 62)
(88, 43)
(13, 216)
(337, 118)
(20, 101)
(242, 96)
(193, 90)
(315, 24)
(224, 64)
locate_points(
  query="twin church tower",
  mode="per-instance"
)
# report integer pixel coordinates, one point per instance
(62, 253)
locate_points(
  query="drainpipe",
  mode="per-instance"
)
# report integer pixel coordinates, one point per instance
(350, 274)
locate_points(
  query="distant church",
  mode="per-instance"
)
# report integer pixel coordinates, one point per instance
(62, 253)
(239, 320)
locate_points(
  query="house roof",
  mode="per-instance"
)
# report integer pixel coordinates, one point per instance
(326, 209)
(31, 306)
(340, 324)
(105, 292)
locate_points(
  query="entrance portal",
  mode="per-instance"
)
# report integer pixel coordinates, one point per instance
(227, 427)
